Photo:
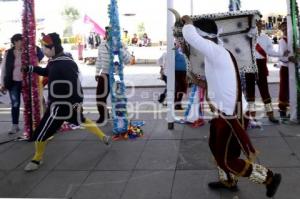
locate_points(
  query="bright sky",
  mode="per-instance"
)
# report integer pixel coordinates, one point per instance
(152, 12)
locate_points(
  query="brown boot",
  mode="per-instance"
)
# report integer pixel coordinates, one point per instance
(226, 181)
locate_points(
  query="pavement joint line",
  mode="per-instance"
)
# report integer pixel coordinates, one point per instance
(135, 165)
(287, 143)
(206, 106)
(109, 107)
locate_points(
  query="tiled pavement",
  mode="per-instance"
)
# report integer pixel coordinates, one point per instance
(163, 164)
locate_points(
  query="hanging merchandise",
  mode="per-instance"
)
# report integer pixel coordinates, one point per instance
(30, 87)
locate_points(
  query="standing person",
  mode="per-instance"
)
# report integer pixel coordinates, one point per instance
(162, 62)
(65, 97)
(196, 77)
(145, 41)
(180, 76)
(102, 75)
(134, 40)
(11, 78)
(227, 134)
(91, 40)
(263, 49)
(97, 40)
(283, 99)
(125, 38)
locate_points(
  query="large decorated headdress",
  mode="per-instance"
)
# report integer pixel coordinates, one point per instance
(236, 30)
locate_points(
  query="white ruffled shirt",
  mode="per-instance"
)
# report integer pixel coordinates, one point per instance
(265, 43)
(283, 60)
(219, 71)
(162, 61)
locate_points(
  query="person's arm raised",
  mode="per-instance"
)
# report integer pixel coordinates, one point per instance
(190, 34)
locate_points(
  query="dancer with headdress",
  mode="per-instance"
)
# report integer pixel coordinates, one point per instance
(227, 131)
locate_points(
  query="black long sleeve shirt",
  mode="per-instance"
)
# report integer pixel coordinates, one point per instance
(63, 81)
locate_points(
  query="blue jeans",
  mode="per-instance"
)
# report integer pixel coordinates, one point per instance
(15, 99)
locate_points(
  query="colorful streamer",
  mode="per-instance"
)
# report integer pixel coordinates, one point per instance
(118, 97)
(296, 39)
(30, 88)
(194, 112)
(191, 100)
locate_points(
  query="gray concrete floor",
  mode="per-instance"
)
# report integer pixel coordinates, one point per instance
(164, 164)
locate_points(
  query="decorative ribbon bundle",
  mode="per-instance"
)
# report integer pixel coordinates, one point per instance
(30, 88)
(118, 97)
(294, 13)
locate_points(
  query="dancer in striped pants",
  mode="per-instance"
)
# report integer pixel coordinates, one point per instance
(65, 97)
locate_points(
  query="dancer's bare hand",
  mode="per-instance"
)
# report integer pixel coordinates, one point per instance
(24, 69)
(3, 90)
(293, 59)
(186, 19)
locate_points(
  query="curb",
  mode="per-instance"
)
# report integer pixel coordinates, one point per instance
(149, 86)
(141, 86)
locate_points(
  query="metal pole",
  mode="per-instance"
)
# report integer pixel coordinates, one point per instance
(192, 7)
(170, 66)
(292, 77)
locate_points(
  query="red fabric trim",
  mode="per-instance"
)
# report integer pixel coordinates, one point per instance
(285, 39)
(260, 50)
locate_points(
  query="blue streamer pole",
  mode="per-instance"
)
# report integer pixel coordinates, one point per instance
(118, 89)
(234, 5)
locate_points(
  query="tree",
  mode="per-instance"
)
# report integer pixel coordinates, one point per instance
(70, 14)
(140, 29)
